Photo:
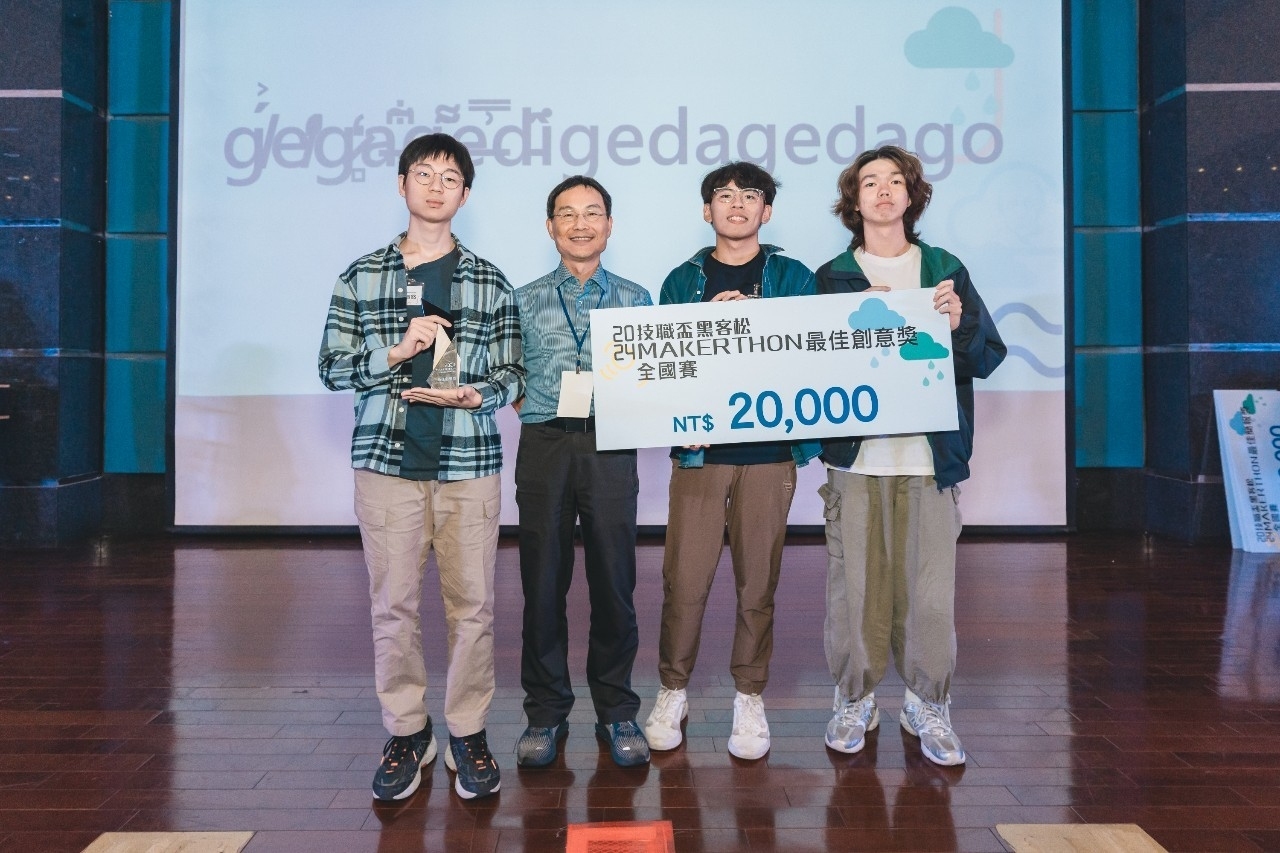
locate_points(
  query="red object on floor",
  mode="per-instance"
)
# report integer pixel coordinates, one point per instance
(654, 836)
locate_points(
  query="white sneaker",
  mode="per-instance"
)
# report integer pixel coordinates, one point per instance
(847, 731)
(931, 722)
(663, 726)
(750, 738)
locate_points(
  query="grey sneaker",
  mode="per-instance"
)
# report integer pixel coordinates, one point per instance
(847, 731)
(663, 726)
(537, 746)
(931, 722)
(626, 742)
(750, 736)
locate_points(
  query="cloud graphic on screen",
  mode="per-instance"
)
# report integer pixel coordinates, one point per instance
(874, 314)
(924, 349)
(954, 38)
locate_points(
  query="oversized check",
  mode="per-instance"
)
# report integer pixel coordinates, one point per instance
(769, 369)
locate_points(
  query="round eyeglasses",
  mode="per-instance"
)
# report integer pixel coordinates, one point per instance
(449, 180)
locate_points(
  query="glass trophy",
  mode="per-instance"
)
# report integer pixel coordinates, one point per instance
(445, 369)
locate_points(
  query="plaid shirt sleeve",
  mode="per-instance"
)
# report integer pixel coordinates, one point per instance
(365, 320)
(350, 357)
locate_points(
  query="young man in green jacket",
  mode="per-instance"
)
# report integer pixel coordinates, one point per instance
(891, 502)
(748, 487)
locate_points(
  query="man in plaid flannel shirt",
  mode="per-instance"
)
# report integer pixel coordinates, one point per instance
(427, 460)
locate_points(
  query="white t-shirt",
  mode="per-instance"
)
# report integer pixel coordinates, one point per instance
(893, 455)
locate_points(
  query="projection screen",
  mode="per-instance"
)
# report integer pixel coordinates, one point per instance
(291, 117)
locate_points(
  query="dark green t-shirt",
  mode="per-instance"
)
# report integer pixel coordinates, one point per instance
(425, 422)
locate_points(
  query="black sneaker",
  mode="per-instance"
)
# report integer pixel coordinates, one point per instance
(400, 772)
(470, 758)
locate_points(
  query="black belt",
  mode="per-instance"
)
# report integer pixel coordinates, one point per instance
(571, 424)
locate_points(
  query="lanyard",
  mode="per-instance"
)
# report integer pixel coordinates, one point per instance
(580, 341)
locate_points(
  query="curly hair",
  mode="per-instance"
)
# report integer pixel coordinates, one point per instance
(919, 191)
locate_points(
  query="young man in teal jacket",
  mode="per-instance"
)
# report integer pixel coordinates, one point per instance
(748, 487)
(891, 501)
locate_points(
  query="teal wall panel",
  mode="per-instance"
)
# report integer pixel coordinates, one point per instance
(1108, 288)
(136, 392)
(1105, 169)
(135, 413)
(137, 175)
(1109, 410)
(138, 57)
(137, 293)
(1104, 54)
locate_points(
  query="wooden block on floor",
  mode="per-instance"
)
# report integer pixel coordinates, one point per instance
(1077, 838)
(169, 842)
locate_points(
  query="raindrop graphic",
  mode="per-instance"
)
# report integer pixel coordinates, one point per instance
(971, 82)
(990, 106)
(939, 374)
(931, 365)
(957, 117)
(875, 362)
(926, 380)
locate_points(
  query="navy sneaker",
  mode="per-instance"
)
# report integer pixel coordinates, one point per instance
(400, 772)
(537, 746)
(470, 758)
(626, 742)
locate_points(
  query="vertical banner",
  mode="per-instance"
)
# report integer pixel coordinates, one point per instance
(1249, 440)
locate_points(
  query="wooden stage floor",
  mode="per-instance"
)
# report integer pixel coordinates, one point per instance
(220, 684)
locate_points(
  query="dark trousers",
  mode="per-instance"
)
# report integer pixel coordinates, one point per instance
(561, 479)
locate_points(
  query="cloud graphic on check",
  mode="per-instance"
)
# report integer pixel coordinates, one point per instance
(925, 348)
(874, 314)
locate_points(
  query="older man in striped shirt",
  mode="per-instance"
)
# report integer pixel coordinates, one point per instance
(561, 479)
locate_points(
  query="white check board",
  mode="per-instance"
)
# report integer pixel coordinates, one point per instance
(772, 369)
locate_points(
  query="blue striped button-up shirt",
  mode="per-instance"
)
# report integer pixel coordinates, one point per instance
(549, 345)
(368, 314)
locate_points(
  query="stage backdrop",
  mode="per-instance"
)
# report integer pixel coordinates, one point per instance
(292, 117)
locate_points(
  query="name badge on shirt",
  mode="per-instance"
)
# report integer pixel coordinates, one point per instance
(415, 295)
(575, 394)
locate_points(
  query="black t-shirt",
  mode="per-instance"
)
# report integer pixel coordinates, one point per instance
(424, 423)
(746, 279)
(721, 277)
